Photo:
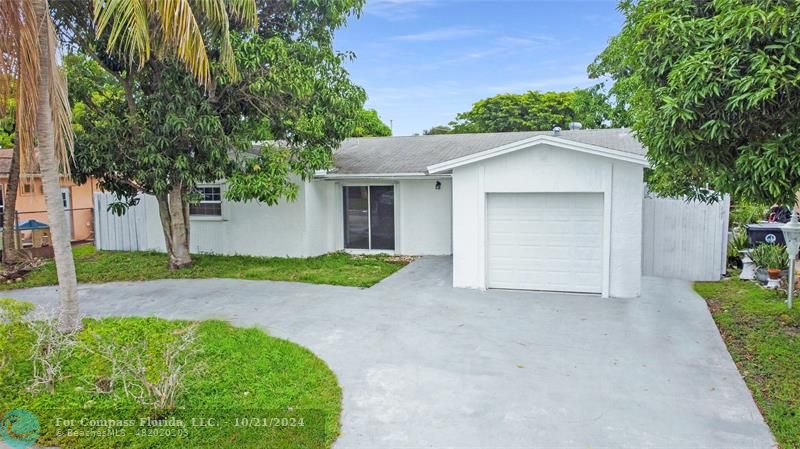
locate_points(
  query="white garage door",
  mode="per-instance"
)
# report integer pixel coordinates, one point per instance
(545, 241)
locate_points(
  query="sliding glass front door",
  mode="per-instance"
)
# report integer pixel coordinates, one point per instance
(369, 217)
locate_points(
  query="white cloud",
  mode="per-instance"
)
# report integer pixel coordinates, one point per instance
(524, 41)
(396, 9)
(442, 34)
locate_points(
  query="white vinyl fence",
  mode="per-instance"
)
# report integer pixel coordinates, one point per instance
(133, 231)
(684, 240)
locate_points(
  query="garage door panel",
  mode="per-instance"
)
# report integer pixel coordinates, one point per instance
(539, 241)
(517, 257)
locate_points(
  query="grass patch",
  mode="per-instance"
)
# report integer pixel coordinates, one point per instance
(339, 268)
(248, 380)
(763, 336)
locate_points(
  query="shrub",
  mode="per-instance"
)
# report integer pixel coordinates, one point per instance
(746, 212)
(51, 349)
(737, 242)
(152, 383)
(770, 256)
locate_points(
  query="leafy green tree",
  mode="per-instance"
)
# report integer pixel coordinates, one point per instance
(714, 93)
(159, 133)
(368, 124)
(594, 107)
(439, 129)
(531, 111)
(537, 111)
(7, 124)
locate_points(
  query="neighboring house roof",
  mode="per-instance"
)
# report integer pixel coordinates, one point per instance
(417, 154)
(5, 161)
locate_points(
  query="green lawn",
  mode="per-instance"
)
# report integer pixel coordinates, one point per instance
(248, 380)
(763, 336)
(108, 266)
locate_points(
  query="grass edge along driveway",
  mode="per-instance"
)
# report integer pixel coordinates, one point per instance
(258, 389)
(763, 337)
(338, 268)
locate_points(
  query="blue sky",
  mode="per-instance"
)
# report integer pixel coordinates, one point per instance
(424, 61)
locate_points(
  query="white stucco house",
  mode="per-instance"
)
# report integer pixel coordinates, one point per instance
(523, 210)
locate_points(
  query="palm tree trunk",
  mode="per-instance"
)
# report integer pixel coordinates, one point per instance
(10, 211)
(69, 320)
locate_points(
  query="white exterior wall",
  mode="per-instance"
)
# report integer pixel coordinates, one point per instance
(544, 168)
(289, 228)
(423, 215)
(424, 225)
(301, 228)
(309, 226)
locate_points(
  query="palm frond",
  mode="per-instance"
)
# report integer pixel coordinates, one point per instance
(59, 101)
(180, 32)
(137, 27)
(217, 20)
(19, 71)
(244, 11)
(128, 27)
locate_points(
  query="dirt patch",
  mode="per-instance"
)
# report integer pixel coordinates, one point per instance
(18, 271)
(402, 260)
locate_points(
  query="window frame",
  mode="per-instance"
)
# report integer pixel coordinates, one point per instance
(26, 183)
(218, 216)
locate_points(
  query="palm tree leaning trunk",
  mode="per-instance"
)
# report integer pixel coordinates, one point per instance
(28, 67)
(10, 251)
(52, 94)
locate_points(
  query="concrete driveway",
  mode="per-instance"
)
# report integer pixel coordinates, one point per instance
(423, 365)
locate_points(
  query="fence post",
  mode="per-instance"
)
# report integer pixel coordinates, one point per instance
(16, 231)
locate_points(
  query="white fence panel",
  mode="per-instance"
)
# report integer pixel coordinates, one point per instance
(684, 240)
(128, 232)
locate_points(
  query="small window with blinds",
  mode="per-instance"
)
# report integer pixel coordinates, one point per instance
(210, 204)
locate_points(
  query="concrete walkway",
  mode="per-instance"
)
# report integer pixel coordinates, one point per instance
(423, 365)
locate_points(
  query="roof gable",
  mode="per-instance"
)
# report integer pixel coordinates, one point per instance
(532, 142)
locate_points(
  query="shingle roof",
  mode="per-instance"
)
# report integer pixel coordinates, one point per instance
(5, 161)
(414, 154)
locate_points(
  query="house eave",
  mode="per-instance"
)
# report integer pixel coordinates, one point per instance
(538, 140)
(393, 176)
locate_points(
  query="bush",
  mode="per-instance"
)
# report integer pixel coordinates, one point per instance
(746, 212)
(737, 242)
(157, 387)
(50, 351)
(770, 256)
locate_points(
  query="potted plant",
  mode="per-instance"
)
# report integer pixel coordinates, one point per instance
(737, 244)
(771, 260)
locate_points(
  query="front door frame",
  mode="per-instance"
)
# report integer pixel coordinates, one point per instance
(341, 214)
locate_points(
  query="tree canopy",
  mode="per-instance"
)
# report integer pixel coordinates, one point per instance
(714, 92)
(152, 129)
(368, 124)
(537, 111)
(293, 92)
(439, 129)
(7, 133)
